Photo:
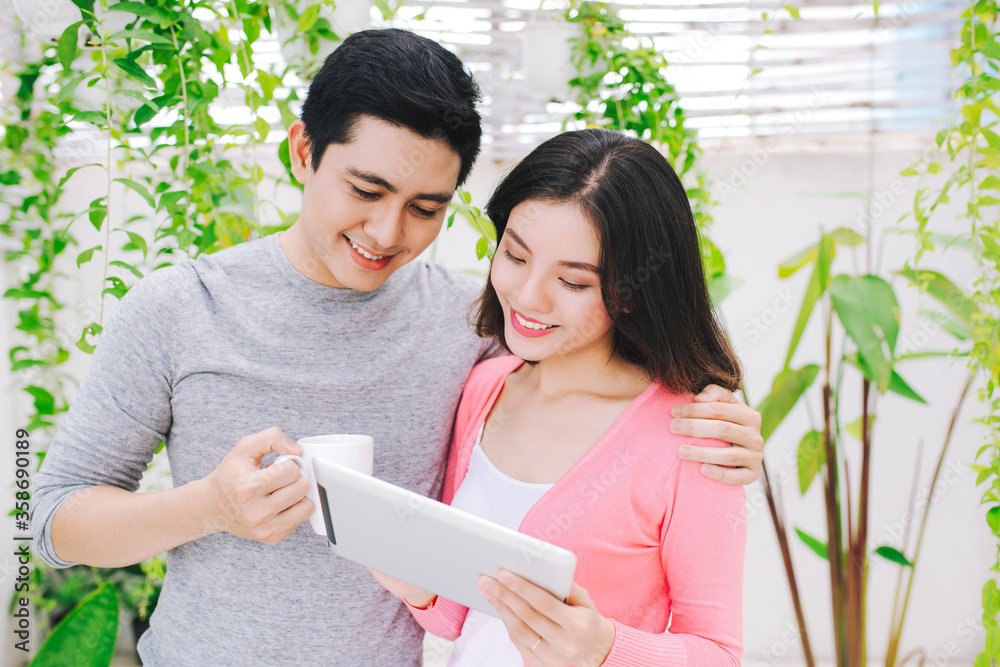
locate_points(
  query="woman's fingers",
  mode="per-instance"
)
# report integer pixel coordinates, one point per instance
(534, 606)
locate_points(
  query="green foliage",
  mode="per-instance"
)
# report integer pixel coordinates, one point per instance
(86, 637)
(156, 83)
(967, 163)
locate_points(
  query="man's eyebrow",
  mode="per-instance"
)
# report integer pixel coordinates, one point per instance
(583, 266)
(375, 179)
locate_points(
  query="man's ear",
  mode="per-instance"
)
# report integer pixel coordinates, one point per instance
(299, 151)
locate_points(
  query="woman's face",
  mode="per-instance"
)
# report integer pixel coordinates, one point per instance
(546, 277)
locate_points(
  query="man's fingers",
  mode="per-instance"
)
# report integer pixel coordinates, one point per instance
(257, 446)
(730, 412)
(736, 457)
(279, 475)
(714, 392)
(289, 494)
(736, 476)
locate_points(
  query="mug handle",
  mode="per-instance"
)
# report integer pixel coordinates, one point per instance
(291, 457)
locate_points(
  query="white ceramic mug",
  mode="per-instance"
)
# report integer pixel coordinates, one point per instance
(356, 452)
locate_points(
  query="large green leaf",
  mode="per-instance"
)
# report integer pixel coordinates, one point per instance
(867, 307)
(946, 293)
(86, 636)
(825, 252)
(811, 457)
(897, 384)
(788, 388)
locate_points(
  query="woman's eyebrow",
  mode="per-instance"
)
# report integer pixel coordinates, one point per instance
(583, 266)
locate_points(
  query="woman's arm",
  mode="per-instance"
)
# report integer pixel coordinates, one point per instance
(702, 544)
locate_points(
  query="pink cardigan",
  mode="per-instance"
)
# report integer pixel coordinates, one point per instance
(656, 540)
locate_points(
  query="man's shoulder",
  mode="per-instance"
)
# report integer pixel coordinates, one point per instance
(448, 284)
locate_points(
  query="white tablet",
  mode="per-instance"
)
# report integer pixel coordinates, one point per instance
(429, 544)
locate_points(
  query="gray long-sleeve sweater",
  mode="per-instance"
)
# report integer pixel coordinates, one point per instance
(204, 353)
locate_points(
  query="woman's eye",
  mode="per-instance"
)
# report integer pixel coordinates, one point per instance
(423, 212)
(364, 194)
(516, 260)
(574, 286)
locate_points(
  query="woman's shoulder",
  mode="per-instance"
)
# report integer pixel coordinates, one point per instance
(650, 420)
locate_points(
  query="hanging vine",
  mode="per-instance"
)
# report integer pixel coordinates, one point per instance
(971, 149)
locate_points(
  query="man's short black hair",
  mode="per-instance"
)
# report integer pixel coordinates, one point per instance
(400, 78)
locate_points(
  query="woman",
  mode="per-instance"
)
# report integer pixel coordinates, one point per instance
(597, 288)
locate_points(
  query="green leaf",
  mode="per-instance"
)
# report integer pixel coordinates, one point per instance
(145, 35)
(85, 256)
(73, 170)
(894, 555)
(909, 171)
(899, 386)
(818, 547)
(854, 428)
(86, 636)
(97, 212)
(262, 127)
(155, 14)
(169, 199)
(990, 183)
(45, 402)
(846, 236)
(811, 456)
(993, 519)
(817, 286)
(791, 265)
(788, 388)
(93, 329)
(68, 45)
(128, 267)
(869, 312)
(482, 247)
(794, 11)
(945, 292)
(118, 287)
(990, 48)
(139, 188)
(134, 71)
(93, 117)
(308, 18)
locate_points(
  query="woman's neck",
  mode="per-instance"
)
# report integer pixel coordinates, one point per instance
(605, 375)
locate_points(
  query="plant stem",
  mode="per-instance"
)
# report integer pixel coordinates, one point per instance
(831, 488)
(786, 558)
(860, 557)
(893, 646)
(923, 521)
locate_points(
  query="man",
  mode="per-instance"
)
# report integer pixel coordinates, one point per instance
(328, 327)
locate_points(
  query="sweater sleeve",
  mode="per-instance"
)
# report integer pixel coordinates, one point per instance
(441, 617)
(122, 412)
(702, 549)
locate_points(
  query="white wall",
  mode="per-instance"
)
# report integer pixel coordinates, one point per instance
(777, 212)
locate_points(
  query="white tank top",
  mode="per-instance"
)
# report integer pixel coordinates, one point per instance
(494, 496)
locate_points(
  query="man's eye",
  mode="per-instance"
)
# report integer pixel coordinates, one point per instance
(364, 194)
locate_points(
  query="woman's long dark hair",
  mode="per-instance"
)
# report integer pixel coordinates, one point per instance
(652, 280)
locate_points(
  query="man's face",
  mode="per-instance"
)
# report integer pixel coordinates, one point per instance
(372, 206)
